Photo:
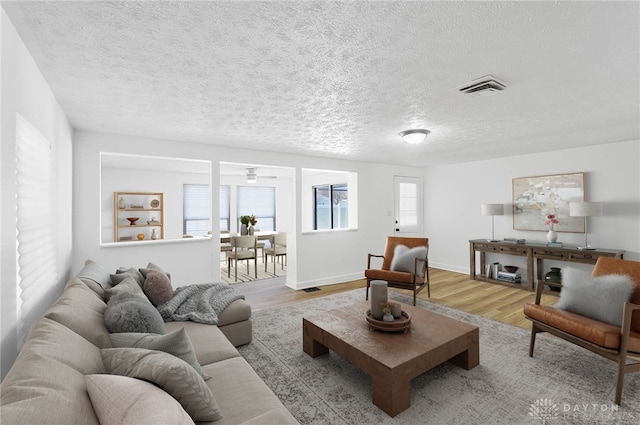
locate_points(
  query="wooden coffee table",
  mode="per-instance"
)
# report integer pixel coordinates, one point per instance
(392, 359)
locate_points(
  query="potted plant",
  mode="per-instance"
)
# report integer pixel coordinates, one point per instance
(244, 220)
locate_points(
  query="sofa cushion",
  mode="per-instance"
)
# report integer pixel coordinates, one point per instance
(79, 301)
(244, 396)
(404, 259)
(209, 343)
(127, 312)
(176, 343)
(157, 287)
(120, 400)
(172, 374)
(128, 285)
(96, 273)
(47, 380)
(601, 298)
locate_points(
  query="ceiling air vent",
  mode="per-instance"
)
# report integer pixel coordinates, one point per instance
(481, 85)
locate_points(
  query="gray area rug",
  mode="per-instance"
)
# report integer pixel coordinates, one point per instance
(561, 384)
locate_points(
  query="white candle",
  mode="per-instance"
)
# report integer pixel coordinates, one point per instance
(378, 296)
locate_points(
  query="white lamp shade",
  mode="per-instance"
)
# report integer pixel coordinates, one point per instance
(492, 209)
(585, 209)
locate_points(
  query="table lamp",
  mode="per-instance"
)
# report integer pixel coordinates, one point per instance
(492, 210)
(585, 209)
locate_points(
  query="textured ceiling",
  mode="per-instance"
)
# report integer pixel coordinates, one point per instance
(341, 79)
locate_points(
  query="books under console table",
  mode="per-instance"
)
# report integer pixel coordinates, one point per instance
(138, 216)
(534, 253)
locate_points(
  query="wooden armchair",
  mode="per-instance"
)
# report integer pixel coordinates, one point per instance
(414, 278)
(620, 344)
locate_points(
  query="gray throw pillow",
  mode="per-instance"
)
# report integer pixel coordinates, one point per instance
(126, 312)
(601, 298)
(404, 259)
(170, 373)
(95, 272)
(176, 343)
(126, 285)
(124, 272)
(157, 287)
(152, 266)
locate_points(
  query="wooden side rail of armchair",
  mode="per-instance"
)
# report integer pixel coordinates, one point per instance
(410, 273)
(618, 343)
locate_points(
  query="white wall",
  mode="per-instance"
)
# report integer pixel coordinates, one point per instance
(453, 195)
(313, 259)
(24, 90)
(170, 183)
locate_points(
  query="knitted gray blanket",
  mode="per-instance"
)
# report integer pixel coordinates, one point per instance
(201, 303)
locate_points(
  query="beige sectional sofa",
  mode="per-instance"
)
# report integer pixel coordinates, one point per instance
(65, 350)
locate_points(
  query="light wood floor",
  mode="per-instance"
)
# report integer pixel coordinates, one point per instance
(499, 302)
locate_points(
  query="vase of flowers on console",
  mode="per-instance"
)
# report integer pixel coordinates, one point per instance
(551, 221)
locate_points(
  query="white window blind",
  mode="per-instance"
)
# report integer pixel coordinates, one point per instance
(259, 201)
(35, 224)
(225, 207)
(196, 209)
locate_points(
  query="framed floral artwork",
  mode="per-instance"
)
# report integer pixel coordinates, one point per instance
(536, 198)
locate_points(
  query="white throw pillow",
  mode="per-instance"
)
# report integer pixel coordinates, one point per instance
(404, 259)
(601, 298)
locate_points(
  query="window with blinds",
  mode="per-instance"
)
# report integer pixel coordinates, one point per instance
(259, 201)
(195, 215)
(225, 208)
(36, 247)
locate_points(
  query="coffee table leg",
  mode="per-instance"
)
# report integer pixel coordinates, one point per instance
(391, 395)
(310, 345)
(470, 358)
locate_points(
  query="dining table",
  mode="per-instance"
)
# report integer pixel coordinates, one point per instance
(262, 235)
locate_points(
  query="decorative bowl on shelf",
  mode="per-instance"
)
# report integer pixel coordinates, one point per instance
(132, 220)
(511, 269)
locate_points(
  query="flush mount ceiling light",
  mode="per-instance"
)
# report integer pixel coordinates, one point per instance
(415, 136)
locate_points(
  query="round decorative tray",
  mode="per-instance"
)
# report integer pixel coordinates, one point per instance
(401, 324)
(155, 203)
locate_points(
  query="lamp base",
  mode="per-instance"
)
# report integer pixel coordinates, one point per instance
(586, 248)
(493, 240)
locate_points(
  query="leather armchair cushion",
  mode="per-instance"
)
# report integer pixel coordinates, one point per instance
(388, 275)
(599, 333)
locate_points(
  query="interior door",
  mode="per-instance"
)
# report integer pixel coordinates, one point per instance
(408, 206)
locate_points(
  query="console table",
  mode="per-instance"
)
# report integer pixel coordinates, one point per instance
(532, 251)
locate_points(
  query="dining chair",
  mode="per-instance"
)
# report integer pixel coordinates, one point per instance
(277, 250)
(243, 249)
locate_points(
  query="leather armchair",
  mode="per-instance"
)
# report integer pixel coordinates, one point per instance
(619, 344)
(415, 280)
